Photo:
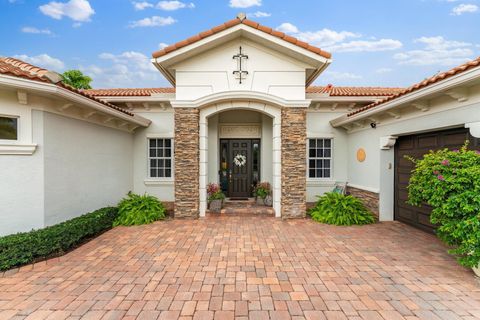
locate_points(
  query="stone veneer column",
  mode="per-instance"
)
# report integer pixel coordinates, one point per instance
(294, 181)
(187, 162)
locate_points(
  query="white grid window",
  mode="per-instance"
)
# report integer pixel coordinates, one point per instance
(319, 158)
(160, 158)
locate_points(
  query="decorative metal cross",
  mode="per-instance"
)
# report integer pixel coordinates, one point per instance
(240, 72)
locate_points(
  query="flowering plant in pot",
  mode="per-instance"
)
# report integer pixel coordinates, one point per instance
(263, 193)
(215, 197)
(449, 181)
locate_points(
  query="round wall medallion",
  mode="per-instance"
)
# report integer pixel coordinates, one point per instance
(361, 155)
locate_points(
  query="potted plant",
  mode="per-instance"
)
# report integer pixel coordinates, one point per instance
(215, 197)
(449, 181)
(263, 193)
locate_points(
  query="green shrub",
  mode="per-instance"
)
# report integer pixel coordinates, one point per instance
(449, 181)
(136, 209)
(341, 210)
(27, 247)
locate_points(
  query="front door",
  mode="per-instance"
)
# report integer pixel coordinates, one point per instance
(240, 168)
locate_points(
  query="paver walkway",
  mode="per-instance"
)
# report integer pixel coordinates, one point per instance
(253, 267)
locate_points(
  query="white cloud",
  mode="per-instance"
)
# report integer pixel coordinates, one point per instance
(335, 75)
(245, 3)
(141, 5)
(162, 45)
(366, 46)
(155, 21)
(336, 41)
(77, 10)
(126, 69)
(173, 5)
(436, 51)
(383, 70)
(464, 8)
(43, 61)
(36, 30)
(287, 27)
(260, 14)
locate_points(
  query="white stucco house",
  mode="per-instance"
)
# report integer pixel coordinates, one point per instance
(238, 89)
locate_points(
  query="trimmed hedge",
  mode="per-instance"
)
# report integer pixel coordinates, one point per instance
(27, 247)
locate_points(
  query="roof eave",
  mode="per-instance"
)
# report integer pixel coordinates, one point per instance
(436, 88)
(38, 86)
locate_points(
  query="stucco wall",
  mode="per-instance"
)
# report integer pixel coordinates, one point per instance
(318, 126)
(162, 126)
(87, 167)
(22, 180)
(212, 72)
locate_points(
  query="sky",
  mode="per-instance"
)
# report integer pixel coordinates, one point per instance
(392, 43)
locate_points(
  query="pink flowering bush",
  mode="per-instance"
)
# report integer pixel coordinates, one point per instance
(449, 181)
(214, 192)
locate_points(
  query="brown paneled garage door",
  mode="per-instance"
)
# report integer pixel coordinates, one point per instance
(416, 146)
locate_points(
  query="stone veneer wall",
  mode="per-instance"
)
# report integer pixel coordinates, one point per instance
(294, 181)
(369, 199)
(187, 158)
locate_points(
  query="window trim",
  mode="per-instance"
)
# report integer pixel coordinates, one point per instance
(154, 180)
(332, 156)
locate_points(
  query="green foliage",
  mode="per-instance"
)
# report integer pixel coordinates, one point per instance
(449, 181)
(77, 79)
(136, 209)
(27, 247)
(262, 190)
(341, 210)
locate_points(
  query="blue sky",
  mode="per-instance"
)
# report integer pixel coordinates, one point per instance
(374, 42)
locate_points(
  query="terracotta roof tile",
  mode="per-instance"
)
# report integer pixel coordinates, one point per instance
(18, 68)
(128, 92)
(425, 83)
(334, 91)
(249, 23)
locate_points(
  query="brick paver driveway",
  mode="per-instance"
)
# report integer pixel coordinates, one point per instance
(247, 267)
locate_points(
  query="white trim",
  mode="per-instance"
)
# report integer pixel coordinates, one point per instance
(445, 85)
(159, 180)
(17, 149)
(332, 175)
(240, 95)
(163, 63)
(356, 186)
(265, 108)
(155, 182)
(312, 182)
(53, 89)
(167, 135)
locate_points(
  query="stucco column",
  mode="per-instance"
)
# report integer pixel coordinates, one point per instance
(187, 162)
(294, 182)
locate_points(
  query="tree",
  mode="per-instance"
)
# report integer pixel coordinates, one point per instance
(76, 79)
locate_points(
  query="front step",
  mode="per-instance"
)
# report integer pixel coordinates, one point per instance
(245, 207)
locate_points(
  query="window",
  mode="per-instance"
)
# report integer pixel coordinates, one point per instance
(319, 158)
(160, 154)
(8, 128)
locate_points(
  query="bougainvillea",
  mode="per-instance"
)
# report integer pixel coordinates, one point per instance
(449, 181)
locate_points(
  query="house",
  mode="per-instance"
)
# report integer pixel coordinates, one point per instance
(239, 91)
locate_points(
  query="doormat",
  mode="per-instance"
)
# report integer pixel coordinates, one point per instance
(238, 199)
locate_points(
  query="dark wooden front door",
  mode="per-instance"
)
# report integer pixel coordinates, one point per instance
(416, 146)
(240, 176)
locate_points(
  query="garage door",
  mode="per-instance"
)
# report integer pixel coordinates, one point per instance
(416, 146)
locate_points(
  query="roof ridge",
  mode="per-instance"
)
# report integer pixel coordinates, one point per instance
(424, 83)
(247, 22)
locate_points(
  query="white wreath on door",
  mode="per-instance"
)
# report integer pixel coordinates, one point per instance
(240, 160)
